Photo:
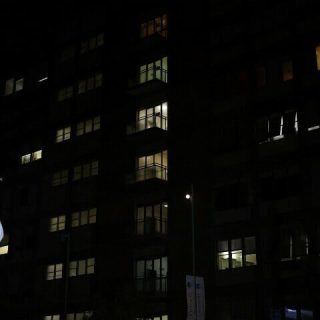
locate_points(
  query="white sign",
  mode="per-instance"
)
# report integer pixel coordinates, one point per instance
(1, 232)
(195, 298)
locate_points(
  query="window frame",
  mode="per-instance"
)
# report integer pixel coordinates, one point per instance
(232, 248)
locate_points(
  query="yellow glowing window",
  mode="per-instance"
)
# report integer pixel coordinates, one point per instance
(318, 57)
(54, 271)
(4, 250)
(57, 223)
(287, 71)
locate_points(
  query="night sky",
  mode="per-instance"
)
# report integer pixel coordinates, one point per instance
(26, 29)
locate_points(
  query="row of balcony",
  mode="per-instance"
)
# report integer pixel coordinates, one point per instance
(153, 171)
(151, 121)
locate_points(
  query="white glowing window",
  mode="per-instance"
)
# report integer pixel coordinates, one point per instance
(9, 87)
(79, 315)
(81, 267)
(277, 126)
(151, 117)
(4, 245)
(57, 223)
(290, 313)
(154, 70)
(236, 253)
(19, 84)
(36, 155)
(54, 271)
(223, 255)
(26, 158)
(63, 134)
(152, 166)
(13, 85)
(60, 178)
(52, 317)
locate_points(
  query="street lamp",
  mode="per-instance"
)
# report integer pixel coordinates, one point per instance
(190, 197)
(196, 298)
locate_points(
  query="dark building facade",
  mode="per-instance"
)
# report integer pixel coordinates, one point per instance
(130, 108)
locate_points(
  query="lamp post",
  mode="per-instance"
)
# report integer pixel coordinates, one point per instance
(193, 250)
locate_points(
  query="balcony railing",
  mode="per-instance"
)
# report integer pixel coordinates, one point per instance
(154, 171)
(151, 226)
(152, 73)
(152, 121)
(154, 285)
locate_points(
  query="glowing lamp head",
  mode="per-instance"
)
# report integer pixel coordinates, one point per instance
(188, 196)
(1, 232)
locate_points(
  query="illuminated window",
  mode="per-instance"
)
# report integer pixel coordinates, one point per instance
(19, 84)
(65, 93)
(152, 219)
(277, 126)
(81, 267)
(90, 83)
(9, 89)
(92, 43)
(63, 134)
(4, 245)
(156, 116)
(287, 71)
(92, 124)
(60, 177)
(163, 317)
(236, 253)
(154, 70)
(57, 223)
(152, 166)
(84, 217)
(52, 317)
(294, 245)
(54, 271)
(151, 275)
(86, 170)
(13, 85)
(157, 25)
(79, 315)
(27, 158)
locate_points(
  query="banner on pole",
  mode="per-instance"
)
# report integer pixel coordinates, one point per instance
(195, 298)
